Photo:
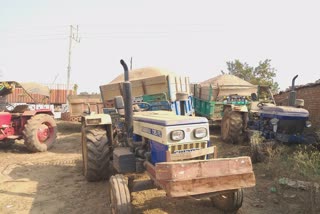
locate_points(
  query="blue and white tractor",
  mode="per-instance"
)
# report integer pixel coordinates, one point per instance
(287, 124)
(175, 151)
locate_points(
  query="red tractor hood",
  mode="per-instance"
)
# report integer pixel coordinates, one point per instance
(5, 118)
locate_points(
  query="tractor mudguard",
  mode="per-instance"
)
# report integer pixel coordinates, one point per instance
(39, 111)
(96, 119)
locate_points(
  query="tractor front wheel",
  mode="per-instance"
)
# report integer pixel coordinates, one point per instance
(228, 202)
(120, 195)
(40, 133)
(232, 127)
(96, 153)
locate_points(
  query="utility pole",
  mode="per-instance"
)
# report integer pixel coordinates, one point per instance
(74, 36)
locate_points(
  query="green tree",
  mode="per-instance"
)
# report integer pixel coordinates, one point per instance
(262, 74)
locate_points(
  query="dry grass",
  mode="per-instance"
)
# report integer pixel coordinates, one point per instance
(306, 161)
(296, 161)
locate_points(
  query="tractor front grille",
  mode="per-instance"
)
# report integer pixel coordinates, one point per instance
(291, 127)
(187, 147)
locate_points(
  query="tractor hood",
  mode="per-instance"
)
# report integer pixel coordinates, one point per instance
(5, 118)
(284, 112)
(30, 87)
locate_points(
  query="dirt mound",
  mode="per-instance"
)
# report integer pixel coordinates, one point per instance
(226, 79)
(142, 73)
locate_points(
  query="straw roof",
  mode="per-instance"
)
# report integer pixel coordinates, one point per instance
(142, 73)
(226, 79)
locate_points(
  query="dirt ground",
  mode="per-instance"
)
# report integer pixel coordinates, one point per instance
(52, 182)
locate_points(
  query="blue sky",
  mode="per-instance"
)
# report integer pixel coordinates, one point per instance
(193, 38)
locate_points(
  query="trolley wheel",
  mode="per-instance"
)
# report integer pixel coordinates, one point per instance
(228, 202)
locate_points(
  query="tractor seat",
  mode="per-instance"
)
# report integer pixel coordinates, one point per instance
(135, 108)
(121, 111)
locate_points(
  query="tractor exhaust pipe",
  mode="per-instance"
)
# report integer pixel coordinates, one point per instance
(126, 70)
(293, 80)
(293, 93)
(127, 100)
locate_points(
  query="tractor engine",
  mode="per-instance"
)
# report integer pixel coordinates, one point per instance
(5, 125)
(162, 136)
(162, 133)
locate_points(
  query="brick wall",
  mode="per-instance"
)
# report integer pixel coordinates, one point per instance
(311, 96)
(56, 97)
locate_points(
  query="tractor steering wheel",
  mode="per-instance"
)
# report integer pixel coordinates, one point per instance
(142, 106)
(146, 106)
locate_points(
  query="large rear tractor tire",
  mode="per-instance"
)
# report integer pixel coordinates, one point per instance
(40, 133)
(96, 153)
(120, 195)
(229, 202)
(232, 127)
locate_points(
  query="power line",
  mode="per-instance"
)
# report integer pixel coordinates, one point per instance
(47, 33)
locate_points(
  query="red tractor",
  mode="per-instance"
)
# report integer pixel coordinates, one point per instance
(37, 128)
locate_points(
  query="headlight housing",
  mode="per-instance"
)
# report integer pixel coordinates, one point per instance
(177, 135)
(274, 121)
(308, 124)
(200, 133)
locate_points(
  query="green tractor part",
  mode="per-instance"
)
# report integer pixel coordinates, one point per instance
(226, 101)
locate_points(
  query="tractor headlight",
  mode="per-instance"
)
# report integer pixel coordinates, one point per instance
(200, 133)
(177, 135)
(274, 121)
(308, 124)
